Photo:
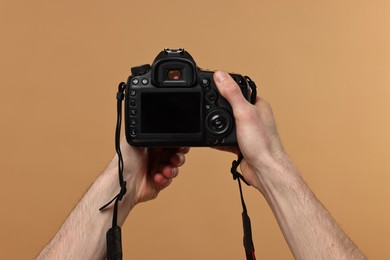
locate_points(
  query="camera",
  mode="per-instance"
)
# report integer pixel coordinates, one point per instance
(174, 103)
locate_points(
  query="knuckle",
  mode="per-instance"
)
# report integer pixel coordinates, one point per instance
(231, 88)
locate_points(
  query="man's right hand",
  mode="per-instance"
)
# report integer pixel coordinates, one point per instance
(257, 136)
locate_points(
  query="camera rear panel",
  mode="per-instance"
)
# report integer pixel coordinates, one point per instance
(180, 106)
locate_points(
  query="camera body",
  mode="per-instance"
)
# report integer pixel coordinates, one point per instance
(174, 103)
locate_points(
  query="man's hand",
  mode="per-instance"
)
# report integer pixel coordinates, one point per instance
(149, 170)
(257, 136)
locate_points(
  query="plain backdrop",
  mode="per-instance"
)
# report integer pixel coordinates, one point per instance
(323, 65)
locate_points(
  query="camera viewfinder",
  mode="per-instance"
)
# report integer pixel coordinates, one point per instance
(174, 74)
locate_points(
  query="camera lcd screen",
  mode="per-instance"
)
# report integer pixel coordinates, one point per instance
(171, 112)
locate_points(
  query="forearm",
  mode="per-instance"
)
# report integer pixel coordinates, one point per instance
(82, 236)
(309, 229)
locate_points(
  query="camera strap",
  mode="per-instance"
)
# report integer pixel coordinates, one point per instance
(248, 242)
(113, 235)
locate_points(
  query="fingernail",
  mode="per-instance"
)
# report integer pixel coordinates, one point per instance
(164, 181)
(181, 159)
(184, 149)
(220, 76)
(175, 171)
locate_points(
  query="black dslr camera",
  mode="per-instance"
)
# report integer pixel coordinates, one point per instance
(175, 103)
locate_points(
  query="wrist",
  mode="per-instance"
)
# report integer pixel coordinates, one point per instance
(135, 172)
(111, 177)
(279, 177)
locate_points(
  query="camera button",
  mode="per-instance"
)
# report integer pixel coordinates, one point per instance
(212, 141)
(211, 96)
(133, 112)
(133, 93)
(133, 133)
(133, 122)
(135, 81)
(207, 106)
(133, 103)
(145, 81)
(205, 82)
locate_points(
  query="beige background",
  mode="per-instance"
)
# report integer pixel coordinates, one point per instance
(323, 65)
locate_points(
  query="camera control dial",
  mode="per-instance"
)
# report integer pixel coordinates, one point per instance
(219, 122)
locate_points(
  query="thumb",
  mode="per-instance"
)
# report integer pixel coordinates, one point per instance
(229, 89)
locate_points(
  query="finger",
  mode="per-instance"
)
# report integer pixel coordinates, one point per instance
(170, 172)
(184, 150)
(161, 181)
(177, 159)
(174, 161)
(164, 155)
(229, 89)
